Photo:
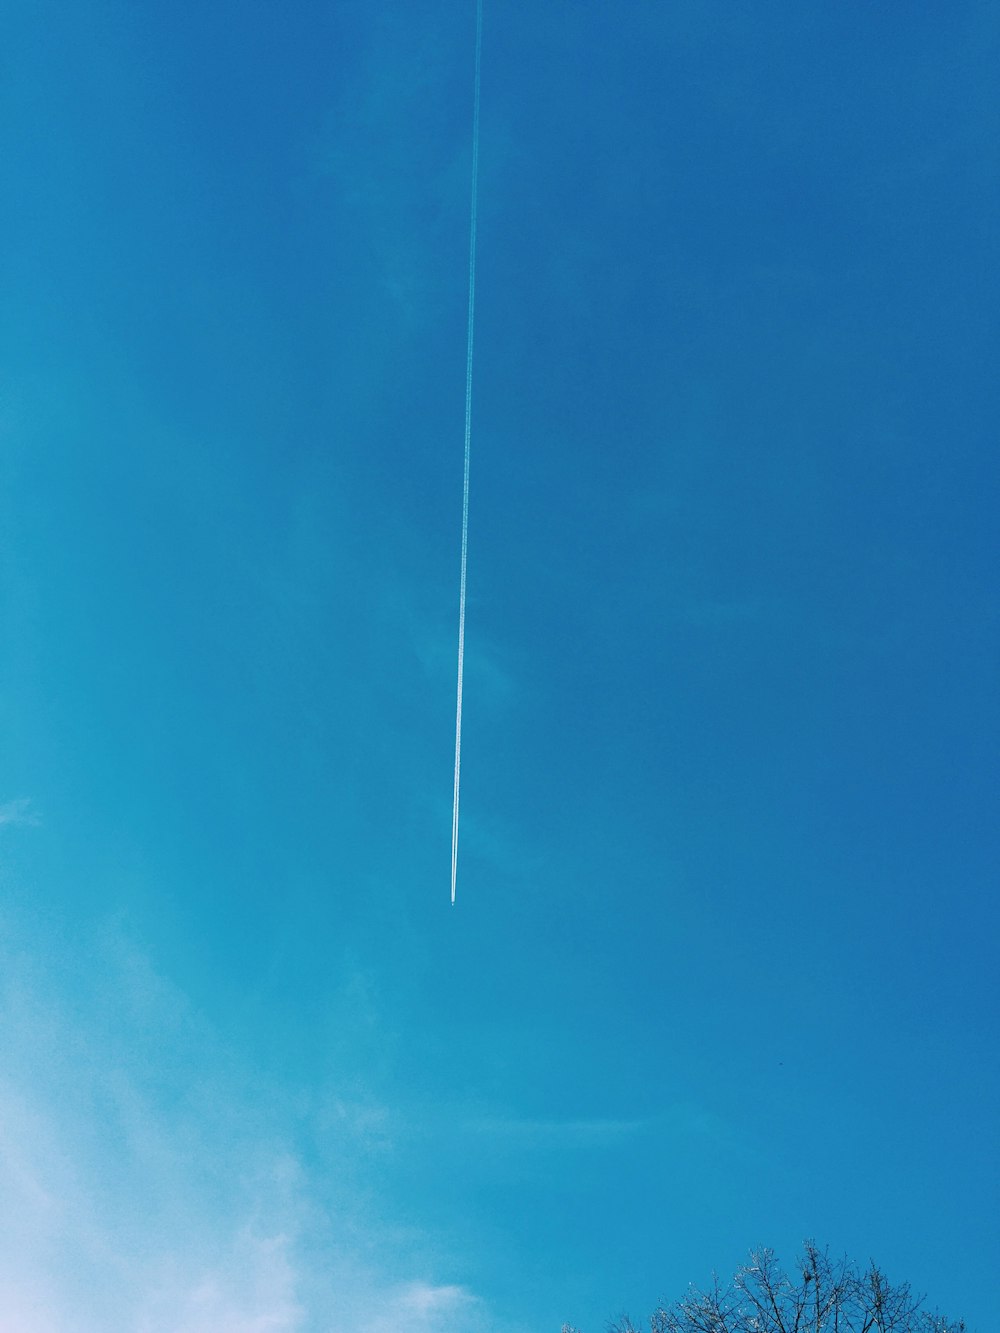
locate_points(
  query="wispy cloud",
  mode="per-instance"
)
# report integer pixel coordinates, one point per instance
(419, 1307)
(147, 1185)
(19, 812)
(434, 643)
(569, 1133)
(681, 1121)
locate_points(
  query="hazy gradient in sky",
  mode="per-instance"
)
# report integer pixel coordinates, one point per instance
(722, 970)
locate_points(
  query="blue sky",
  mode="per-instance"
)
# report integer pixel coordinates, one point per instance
(722, 967)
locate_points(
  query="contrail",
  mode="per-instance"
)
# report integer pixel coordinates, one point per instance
(468, 441)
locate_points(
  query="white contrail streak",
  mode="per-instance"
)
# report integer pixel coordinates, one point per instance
(468, 441)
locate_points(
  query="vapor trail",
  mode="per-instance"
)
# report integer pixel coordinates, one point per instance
(468, 442)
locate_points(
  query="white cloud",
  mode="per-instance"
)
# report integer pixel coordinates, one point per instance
(253, 1290)
(420, 1307)
(424, 1299)
(147, 1186)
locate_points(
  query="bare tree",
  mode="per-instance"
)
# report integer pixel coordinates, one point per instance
(823, 1296)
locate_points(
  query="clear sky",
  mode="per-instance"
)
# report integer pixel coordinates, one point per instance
(722, 970)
